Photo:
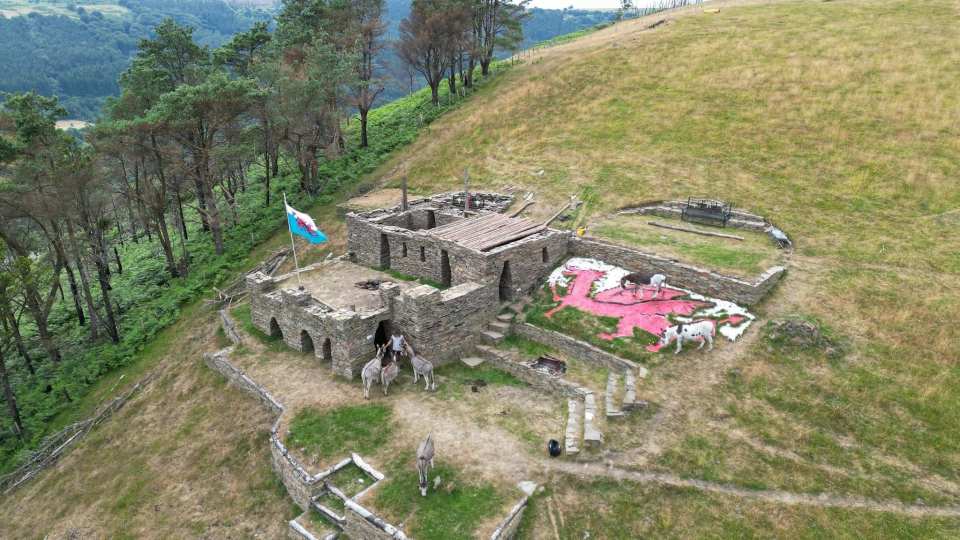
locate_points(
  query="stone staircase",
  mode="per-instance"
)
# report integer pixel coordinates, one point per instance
(629, 401)
(499, 327)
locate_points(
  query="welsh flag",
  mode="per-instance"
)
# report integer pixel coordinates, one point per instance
(303, 225)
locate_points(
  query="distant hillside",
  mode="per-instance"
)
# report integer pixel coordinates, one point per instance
(77, 50)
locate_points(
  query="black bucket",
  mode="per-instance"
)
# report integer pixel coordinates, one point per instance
(553, 448)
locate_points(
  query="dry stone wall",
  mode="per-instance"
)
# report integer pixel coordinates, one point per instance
(298, 316)
(507, 530)
(680, 274)
(300, 484)
(575, 348)
(442, 325)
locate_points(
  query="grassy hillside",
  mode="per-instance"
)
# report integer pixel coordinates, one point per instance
(838, 120)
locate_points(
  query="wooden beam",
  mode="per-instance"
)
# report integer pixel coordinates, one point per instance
(694, 231)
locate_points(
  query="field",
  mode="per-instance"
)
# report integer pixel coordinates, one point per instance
(838, 120)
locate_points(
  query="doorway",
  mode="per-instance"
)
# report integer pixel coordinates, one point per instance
(306, 342)
(506, 283)
(327, 350)
(445, 268)
(382, 335)
(275, 331)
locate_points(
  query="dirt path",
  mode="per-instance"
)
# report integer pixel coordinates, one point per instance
(825, 500)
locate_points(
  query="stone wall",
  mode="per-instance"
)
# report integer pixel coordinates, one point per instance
(507, 529)
(739, 219)
(556, 386)
(341, 337)
(442, 325)
(300, 484)
(680, 274)
(362, 524)
(575, 348)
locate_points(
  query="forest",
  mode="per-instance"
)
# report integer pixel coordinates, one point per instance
(77, 53)
(106, 237)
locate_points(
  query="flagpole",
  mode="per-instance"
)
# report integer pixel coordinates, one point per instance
(293, 247)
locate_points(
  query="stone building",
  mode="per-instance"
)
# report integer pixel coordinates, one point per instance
(478, 258)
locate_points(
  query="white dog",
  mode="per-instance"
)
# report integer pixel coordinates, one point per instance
(700, 330)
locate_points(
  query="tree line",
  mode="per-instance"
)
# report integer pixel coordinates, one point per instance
(191, 130)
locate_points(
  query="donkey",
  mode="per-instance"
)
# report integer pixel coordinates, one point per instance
(640, 280)
(371, 371)
(424, 462)
(699, 330)
(388, 374)
(421, 368)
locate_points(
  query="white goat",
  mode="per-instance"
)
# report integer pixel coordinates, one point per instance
(702, 331)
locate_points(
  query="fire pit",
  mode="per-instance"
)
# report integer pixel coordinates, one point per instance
(550, 365)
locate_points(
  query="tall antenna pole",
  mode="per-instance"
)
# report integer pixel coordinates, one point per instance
(293, 247)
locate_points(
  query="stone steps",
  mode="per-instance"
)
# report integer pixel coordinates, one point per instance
(490, 337)
(473, 361)
(506, 317)
(610, 396)
(629, 391)
(571, 443)
(592, 438)
(501, 327)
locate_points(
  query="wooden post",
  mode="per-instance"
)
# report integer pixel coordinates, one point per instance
(403, 199)
(466, 191)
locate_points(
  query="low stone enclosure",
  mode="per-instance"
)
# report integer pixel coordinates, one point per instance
(307, 490)
(478, 262)
(480, 259)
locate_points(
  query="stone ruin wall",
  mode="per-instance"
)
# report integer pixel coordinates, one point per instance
(443, 325)
(350, 333)
(680, 274)
(739, 219)
(300, 484)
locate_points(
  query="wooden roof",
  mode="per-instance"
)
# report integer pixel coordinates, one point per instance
(487, 231)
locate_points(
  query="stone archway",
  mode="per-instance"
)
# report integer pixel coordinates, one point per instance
(327, 351)
(306, 342)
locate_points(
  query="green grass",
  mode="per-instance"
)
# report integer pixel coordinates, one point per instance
(455, 378)
(624, 510)
(407, 277)
(335, 433)
(350, 480)
(745, 258)
(243, 316)
(586, 327)
(449, 513)
(525, 346)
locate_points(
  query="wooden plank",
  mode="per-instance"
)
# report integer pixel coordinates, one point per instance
(510, 233)
(533, 231)
(472, 224)
(459, 224)
(505, 229)
(490, 225)
(694, 231)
